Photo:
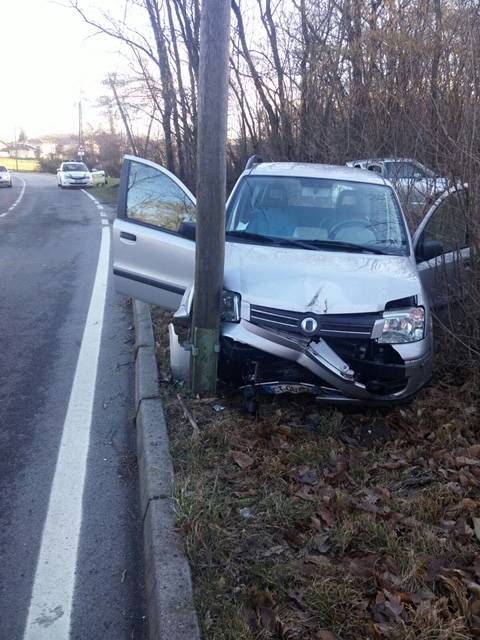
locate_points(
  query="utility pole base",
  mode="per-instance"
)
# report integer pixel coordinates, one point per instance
(204, 363)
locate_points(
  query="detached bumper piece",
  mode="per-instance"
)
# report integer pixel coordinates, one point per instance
(378, 366)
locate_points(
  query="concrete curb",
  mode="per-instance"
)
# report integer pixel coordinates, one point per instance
(170, 611)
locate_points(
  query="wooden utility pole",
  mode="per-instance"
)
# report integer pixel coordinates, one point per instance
(211, 192)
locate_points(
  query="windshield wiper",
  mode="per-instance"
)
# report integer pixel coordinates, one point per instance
(277, 240)
(248, 235)
(339, 244)
(305, 244)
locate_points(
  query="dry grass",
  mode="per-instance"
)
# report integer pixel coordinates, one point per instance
(308, 523)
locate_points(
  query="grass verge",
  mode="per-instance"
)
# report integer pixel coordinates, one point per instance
(107, 194)
(309, 523)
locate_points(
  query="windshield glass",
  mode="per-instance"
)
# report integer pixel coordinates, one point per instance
(3, 168)
(317, 211)
(75, 166)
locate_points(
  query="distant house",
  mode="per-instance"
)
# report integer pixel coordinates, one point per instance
(20, 150)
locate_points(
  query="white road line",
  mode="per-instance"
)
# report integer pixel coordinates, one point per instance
(49, 615)
(12, 207)
(97, 203)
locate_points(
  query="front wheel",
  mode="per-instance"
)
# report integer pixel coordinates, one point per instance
(10, 185)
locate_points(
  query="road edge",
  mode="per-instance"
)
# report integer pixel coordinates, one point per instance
(168, 585)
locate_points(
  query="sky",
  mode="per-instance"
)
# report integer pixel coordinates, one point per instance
(48, 58)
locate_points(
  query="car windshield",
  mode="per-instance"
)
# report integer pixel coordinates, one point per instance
(75, 166)
(318, 214)
(3, 169)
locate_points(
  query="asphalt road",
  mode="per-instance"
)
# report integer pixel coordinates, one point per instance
(49, 248)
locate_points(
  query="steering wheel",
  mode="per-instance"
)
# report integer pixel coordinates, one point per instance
(353, 222)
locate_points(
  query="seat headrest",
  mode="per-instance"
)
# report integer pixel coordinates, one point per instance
(275, 196)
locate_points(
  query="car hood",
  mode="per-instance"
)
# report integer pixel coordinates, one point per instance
(317, 281)
(77, 174)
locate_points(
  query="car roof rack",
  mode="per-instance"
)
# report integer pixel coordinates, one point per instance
(252, 161)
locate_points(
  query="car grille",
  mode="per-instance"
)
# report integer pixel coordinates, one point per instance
(358, 325)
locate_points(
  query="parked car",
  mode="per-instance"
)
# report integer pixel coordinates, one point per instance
(99, 177)
(416, 185)
(5, 177)
(324, 289)
(74, 174)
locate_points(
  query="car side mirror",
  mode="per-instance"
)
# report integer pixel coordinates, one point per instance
(429, 249)
(187, 229)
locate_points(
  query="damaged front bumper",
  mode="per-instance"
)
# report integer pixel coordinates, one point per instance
(278, 362)
(323, 369)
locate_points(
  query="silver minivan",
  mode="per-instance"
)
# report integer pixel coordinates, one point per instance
(324, 289)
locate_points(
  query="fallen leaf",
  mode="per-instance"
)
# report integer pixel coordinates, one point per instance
(393, 604)
(362, 567)
(320, 544)
(305, 494)
(476, 527)
(245, 513)
(307, 476)
(463, 461)
(242, 459)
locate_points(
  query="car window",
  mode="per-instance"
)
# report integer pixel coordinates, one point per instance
(318, 209)
(449, 224)
(419, 171)
(3, 168)
(155, 198)
(376, 168)
(398, 170)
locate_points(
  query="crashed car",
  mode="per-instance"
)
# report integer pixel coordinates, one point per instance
(324, 289)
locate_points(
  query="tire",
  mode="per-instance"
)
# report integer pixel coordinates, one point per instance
(10, 185)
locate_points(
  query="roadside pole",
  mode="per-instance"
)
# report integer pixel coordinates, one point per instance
(211, 192)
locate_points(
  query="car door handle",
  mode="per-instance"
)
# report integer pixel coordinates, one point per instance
(128, 236)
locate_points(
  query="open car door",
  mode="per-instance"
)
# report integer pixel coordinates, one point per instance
(441, 248)
(153, 235)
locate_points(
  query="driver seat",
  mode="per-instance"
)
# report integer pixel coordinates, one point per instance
(346, 207)
(271, 217)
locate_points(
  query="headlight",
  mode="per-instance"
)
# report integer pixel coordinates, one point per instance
(399, 327)
(230, 306)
